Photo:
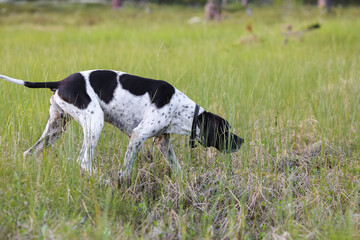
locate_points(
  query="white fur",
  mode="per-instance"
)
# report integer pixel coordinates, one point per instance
(13, 80)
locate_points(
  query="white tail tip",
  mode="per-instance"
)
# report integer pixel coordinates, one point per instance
(13, 80)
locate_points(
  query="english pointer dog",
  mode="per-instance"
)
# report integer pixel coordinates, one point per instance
(140, 107)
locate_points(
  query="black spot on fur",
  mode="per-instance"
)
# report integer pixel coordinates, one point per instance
(104, 83)
(160, 91)
(72, 90)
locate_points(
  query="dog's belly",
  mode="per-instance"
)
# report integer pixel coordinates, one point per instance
(126, 113)
(124, 122)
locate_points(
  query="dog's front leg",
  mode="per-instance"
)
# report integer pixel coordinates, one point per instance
(163, 144)
(136, 141)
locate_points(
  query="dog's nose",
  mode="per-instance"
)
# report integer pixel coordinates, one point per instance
(236, 143)
(232, 144)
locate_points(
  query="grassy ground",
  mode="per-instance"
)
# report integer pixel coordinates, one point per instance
(297, 106)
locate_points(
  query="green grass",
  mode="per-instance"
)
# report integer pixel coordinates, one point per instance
(297, 106)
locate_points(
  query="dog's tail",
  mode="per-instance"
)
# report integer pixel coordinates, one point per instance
(52, 85)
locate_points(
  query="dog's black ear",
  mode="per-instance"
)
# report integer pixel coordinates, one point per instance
(235, 143)
(213, 129)
(206, 122)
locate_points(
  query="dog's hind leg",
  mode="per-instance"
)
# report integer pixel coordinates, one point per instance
(91, 120)
(92, 124)
(92, 130)
(164, 145)
(54, 127)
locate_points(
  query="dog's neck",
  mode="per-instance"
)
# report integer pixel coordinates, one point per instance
(193, 126)
(183, 122)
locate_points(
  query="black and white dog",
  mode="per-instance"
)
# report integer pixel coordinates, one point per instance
(140, 107)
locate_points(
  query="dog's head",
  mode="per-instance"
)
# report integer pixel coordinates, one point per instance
(215, 132)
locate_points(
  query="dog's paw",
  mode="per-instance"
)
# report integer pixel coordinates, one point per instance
(124, 178)
(26, 154)
(87, 166)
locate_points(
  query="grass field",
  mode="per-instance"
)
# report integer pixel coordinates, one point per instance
(297, 176)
